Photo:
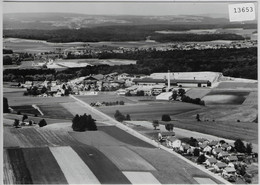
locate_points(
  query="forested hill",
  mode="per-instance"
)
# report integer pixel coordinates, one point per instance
(240, 63)
(126, 33)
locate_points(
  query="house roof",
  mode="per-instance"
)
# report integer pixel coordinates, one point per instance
(232, 158)
(213, 143)
(201, 140)
(98, 76)
(149, 80)
(203, 145)
(152, 80)
(167, 133)
(212, 160)
(188, 81)
(186, 146)
(224, 154)
(221, 165)
(218, 150)
(225, 145)
(172, 139)
(230, 169)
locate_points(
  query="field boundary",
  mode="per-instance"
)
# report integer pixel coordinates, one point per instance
(152, 142)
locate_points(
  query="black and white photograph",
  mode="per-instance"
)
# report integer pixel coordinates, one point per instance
(129, 92)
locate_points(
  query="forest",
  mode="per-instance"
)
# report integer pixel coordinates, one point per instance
(240, 63)
(124, 33)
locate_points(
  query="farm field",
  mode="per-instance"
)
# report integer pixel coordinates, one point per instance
(167, 165)
(236, 85)
(40, 137)
(10, 140)
(19, 166)
(151, 110)
(141, 177)
(17, 98)
(252, 99)
(96, 138)
(74, 169)
(104, 169)
(55, 110)
(124, 137)
(42, 166)
(9, 119)
(197, 93)
(104, 98)
(77, 108)
(8, 172)
(244, 130)
(217, 97)
(125, 159)
(244, 113)
(27, 109)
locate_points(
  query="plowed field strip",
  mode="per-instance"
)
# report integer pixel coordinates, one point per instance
(101, 166)
(126, 159)
(43, 166)
(124, 137)
(96, 138)
(9, 177)
(74, 169)
(10, 139)
(29, 137)
(60, 138)
(141, 178)
(21, 172)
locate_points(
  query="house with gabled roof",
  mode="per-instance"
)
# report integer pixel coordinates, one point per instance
(162, 136)
(223, 154)
(216, 151)
(224, 146)
(232, 158)
(220, 166)
(213, 143)
(173, 142)
(211, 161)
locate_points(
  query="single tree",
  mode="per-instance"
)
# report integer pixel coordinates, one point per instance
(201, 159)
(181, 92)
(169, 127)
(128, 117)
(16, 123)
(196, 152)
(198, 117)
(239, 146)
(5, 105)
(42, 123)
(155, 124)
(249, 148)
(166, 117)
(24, 117)
(174, 95)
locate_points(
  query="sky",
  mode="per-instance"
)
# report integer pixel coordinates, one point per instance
(119, 8)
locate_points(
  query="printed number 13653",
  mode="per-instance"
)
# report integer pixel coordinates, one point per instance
(243, 9)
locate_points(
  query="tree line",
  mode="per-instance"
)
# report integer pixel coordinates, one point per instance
(122, 33)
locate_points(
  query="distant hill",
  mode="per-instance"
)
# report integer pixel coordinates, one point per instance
(50, 21)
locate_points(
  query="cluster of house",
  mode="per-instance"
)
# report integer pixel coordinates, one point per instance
(218, 155)
(123, 84)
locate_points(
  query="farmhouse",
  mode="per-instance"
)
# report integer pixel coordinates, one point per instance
(162, 136)
(173, 142)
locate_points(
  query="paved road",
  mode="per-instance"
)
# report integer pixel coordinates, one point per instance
(142, 137)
